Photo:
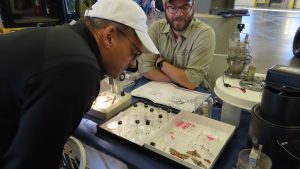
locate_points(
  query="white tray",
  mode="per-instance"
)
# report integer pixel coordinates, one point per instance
(132, 132)
(190, 132)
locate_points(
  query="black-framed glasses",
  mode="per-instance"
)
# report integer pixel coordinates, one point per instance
(137, 51)
(184, 9)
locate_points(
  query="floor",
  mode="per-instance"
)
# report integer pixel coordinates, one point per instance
(271, 37)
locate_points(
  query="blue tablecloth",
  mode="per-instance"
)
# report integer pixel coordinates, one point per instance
(138, 157)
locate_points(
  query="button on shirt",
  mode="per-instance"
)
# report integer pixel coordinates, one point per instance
(192, 52)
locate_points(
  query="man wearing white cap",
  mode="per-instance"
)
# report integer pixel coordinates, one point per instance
(186, 47)
(50, 77)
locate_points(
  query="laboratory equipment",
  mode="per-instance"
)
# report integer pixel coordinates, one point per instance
(109, 103)
(244, 160)
(296, 44)
(238, 53)
(203, 107)
(139, 122)
(74, 155)
(276, 121)
(189, 139)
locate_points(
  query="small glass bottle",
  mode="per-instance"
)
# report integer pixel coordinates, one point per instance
(147, 127)
(146, 112)
(169, 113)
(250, 73)
(137, 132)
(208, 105)
(120, 128)
(203, 108)
(151, 114)
(135, 112)
(158, 109)
(160, 120)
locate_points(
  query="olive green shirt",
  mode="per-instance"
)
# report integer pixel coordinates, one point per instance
(193, 52)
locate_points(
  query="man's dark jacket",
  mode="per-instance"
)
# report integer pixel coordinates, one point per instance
(49, 78)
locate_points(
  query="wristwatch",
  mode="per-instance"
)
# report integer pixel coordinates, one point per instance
(160, 63)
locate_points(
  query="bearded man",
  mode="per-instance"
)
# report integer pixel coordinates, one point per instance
(186, 47)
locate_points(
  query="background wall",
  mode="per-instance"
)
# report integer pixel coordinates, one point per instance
(244, 3)
(223, 27)
(297, 4)
(249, 3)
(227, 4)
(203, 6)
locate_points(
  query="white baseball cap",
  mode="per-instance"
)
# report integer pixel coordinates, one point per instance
(126, 12)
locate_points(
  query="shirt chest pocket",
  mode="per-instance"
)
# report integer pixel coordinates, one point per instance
(181, 58)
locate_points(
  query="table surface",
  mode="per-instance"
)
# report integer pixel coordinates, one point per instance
(234, 96)
(136, 157)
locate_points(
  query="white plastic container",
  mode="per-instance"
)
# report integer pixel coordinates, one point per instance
(77, 151)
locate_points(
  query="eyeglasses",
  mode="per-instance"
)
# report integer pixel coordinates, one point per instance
(184, 9)
(137, 51)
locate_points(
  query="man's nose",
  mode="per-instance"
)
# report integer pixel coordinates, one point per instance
(179, 12)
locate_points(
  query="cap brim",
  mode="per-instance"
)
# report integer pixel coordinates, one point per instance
(148, 45)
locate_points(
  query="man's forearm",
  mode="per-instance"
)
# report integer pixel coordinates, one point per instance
(170, 73)
(177, 75)
(157, 75)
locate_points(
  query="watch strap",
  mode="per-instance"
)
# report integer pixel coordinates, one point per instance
(160, 63)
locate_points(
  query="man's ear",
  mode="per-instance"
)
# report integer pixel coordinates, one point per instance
(108, 35)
